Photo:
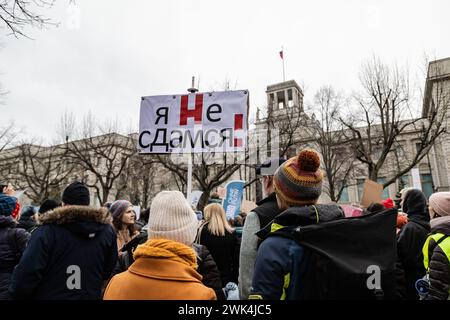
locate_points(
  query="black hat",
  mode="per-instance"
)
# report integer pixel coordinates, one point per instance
(268, 167)
(76, 194)
(48, 205)
(28, 211)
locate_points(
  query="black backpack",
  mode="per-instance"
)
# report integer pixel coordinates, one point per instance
(346, 257)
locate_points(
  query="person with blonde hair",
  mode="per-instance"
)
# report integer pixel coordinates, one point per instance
(220, 238)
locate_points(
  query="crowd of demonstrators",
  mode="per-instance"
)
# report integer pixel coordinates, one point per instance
(165, 265)
(436, 249)
(220, 238)
(74, 251)
(124, 219)
(13, 240)
(257, 219)
(70, 254)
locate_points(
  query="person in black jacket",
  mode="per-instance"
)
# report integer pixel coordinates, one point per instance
(12, 243)
(410, 241)
(70, 254)
(221, 240)
(261, 216)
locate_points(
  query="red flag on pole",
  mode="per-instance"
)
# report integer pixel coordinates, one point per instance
(281, 54)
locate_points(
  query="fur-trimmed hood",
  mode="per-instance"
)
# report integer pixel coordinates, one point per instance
(70, 214)
(86, 222)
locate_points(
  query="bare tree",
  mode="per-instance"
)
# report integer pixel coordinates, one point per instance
(331, 141)
(209, 171)
(102, 153)
(384, 113)
(138, 179)
(16, 14)
(8, 134)
(44, 171)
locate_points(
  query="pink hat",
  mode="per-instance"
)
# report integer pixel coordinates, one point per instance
(440, 202)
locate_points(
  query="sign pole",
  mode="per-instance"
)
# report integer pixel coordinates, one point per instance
(192, 89)
(189, 177)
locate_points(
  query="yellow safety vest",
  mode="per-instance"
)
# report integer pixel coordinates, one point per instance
(444, 245)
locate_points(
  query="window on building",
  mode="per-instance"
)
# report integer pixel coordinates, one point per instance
(271, 100)
(281, 100)
(418, 146)
(427, 184)
(400, 149)
(385, 194)
(360, 185)
(344, 195)
(290, 99)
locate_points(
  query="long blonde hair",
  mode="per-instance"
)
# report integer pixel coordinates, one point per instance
(216, 220)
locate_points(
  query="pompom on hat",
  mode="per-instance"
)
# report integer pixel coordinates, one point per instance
(298, 181)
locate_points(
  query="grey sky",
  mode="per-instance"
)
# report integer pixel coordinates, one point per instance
(123, 50)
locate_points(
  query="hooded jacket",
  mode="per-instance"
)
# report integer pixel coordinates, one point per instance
(69, 255)
(439, 265)
(280, 261)
(410, 241)
(162, 270)
(12, 244)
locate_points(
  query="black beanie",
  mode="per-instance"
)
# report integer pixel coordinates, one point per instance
(76, 194)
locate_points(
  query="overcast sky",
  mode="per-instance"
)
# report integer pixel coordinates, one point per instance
(113, 52)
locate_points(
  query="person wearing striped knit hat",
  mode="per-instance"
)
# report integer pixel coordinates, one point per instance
(298, 185)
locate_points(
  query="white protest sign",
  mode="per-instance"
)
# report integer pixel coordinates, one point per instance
(416, 178)
(195, 122)
(137, 211)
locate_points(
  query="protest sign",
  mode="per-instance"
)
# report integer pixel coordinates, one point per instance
(415, 173)
(372, 193)
(232, 203)
(196, 122)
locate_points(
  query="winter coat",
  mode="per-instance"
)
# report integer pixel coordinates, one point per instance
(12, 245)
(68, 257)
(206, 264)
(280, 261)
(410, 241)
(225, 252)
(261, 216)
(162, 270)
(438, 261)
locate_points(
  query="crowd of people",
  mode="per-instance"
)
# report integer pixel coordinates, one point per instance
(71, 250)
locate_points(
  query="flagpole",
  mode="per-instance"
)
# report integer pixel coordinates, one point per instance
(282, 50)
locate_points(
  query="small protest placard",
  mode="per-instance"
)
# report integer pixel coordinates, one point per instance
(372, 193)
